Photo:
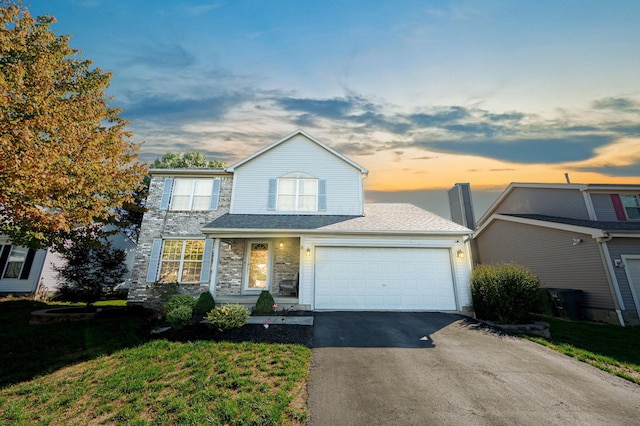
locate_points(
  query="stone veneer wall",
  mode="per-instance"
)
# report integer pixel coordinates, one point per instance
(230, 266)
(286, 262)
(166, 223)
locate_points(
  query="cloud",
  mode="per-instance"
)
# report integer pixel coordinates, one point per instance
(616, 104)
(619, 158)
(158, 56)
(525, 150)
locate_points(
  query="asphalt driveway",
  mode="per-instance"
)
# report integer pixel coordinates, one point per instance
(431, 368)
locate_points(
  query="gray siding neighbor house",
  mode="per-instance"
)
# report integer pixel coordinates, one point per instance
(573, 236)
(291, 219)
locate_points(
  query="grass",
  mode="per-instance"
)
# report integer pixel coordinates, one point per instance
(610, 348)
(102, 371)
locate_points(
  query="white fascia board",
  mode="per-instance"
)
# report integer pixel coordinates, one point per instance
(290, 136)
(600, 188)
(593, 232)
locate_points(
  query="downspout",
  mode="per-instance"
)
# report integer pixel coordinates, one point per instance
(611, 275)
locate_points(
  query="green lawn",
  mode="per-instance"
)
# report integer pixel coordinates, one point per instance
(609, 347)
(102, 371)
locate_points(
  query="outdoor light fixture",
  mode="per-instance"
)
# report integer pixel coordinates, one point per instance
(460, 254)
(281, 245)
(577, 241)
(308, 252)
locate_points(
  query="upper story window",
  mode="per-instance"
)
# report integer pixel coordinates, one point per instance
(297, 194)
(190, 194)
(631, 205)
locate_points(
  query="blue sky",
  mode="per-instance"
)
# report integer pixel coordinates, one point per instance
(422, 93)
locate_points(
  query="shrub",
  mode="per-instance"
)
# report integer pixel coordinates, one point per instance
(204, 304)
(179, 316)
(227, 317)
(265, 303)
(91, 271)
(179, 300)
(506, 293)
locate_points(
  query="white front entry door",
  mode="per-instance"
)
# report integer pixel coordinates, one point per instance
(382, 278)
(257, 275)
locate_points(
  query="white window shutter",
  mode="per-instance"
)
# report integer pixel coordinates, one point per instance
(215, 195)
(166, 193)
(205, 272)
(154, 260)
(273, 188)
(322, 195)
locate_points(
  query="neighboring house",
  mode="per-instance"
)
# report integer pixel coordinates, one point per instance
(20, 268)
(573, 236)
(293, 214)
(28, 271)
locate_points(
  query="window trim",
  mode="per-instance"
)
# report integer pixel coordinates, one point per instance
(297, 195)
(5, 266)
(181, 261)
(626, 212)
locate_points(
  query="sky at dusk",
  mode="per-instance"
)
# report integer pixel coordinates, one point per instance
(422, 93)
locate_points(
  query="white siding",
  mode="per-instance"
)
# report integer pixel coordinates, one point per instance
(251, 180)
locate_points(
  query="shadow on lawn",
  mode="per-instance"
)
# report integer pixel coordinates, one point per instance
(34, 350)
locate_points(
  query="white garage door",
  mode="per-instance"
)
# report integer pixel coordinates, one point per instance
(371, 278)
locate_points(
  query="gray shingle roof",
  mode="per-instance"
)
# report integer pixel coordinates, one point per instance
(377, 218)
(595, 224)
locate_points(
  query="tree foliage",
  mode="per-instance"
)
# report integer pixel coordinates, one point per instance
(91, 272)
(66, 160)
(187, 160)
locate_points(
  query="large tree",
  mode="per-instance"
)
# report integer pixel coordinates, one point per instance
(187, 160)
(66, 160)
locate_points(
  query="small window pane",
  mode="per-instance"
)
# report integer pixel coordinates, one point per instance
(308, 186)
(201, 203)
(307, 203)
(182, 186)
(287, 202)
(180, 202)
(287, 186)
(633, 212)
(169, 272)
(203, 187)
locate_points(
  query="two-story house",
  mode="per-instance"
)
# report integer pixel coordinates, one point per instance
(573, 236)
(291, 219)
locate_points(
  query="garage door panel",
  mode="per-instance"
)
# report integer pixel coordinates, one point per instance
(383, 278)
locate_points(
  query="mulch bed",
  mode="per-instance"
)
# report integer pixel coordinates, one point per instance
(278, 333)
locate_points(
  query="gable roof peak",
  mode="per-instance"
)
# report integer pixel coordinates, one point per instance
(298, 132)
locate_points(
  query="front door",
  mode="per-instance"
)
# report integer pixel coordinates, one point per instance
(257, 266)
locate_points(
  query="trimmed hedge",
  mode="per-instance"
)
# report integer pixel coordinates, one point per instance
(204, 304)
(227, 317)
(265, 303)
(178, 317)
(507, 293)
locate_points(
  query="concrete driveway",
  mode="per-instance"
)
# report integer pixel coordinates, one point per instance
(432, 368)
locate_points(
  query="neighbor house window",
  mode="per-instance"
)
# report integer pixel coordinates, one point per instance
(191, 194)
(631, 205)
(181, 261)
(297, 194)
(15, 260)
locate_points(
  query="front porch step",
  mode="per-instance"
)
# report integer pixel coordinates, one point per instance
(284, 303)
(280, 319)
